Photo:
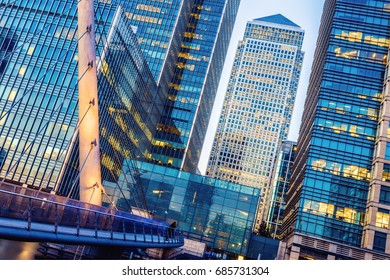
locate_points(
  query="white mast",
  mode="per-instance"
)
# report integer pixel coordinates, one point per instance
(89, 148)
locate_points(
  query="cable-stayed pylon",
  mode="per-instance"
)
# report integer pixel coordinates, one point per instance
(89, 145)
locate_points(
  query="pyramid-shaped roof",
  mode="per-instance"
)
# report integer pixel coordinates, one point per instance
(279, 19)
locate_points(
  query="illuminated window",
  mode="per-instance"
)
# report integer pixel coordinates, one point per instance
(107, 161)
(12, 95)
(383, 42)
(148, 8)
(352, 36)
(319, 164)
(129, 15)
(386, 172)
(340, 213)
(3, 118)
(326, 209)
(348, 215)
(22, 70)
(382, 218)
(48, 152)
(30, 50)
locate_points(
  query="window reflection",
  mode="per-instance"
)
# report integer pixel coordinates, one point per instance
(358, 36)
(345, 214)
(349, 53)
(386, 172)
(382, 218)
(351, 36)
(353, 171)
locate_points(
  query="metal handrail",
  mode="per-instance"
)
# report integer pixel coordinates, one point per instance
(159, 227)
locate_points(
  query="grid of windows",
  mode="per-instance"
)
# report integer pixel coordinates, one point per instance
(155, 23)
(339, 127)
(218, 213)
(280, 187)
(38, 88)
(182, 128)
(258, 104)
(38, 93)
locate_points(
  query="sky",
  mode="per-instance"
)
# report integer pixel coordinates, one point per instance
(305, 13)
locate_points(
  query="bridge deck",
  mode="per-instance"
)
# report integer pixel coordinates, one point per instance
(17, 230)
(30, 215)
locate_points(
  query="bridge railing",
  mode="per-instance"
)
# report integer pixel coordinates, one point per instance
(33, 206)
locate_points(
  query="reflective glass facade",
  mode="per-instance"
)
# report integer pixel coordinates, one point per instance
(38, 88)
(332, 173)
(159, 27)
(218, 213)
(185, 44)
(181, 130)
(39, 94)
(130, 107)
(280, 185)
(258, 104)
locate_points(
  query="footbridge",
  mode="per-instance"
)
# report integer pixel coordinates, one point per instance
(32, 215)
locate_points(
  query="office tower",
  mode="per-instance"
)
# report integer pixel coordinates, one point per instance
(218, 213)
(338, 203)
(39, 93)
(38, 88)
(280, 183)
(257, 109)
(129, 105)
(185, 44)
(182, 128)
(160, 27)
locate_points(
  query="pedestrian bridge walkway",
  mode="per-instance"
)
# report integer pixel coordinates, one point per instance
(31, 215)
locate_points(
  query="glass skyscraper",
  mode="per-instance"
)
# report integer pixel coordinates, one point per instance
(38, 88)
(182, 128)
(259, 101)
(279, 188)
(160, 28)
(129, 106)
(338, 204)
(185, 43)
(39, 93)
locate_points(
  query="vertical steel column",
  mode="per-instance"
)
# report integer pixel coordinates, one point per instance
(90, 174)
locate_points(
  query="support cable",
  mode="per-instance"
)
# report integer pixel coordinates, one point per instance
(109, 198)
(28, 91)
(78, 176)
(38, 32)
(35, 138)
(9, 4)
(66, 150)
